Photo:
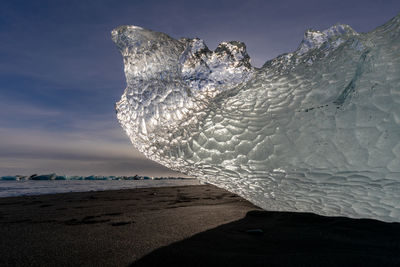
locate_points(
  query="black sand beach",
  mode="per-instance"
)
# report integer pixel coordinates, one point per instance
(182, 226)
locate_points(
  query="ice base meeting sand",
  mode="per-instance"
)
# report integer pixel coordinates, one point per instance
(182, 226)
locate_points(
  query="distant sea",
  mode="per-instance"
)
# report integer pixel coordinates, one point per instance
(11, 186)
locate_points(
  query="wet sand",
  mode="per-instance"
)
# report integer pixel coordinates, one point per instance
(182, 226)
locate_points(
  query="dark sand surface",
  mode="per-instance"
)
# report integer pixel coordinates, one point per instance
(182, 226)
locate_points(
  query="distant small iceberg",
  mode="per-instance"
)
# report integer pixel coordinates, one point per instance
(55, 177)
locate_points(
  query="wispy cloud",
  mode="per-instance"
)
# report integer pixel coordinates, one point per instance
(25, 151)
(90, 144)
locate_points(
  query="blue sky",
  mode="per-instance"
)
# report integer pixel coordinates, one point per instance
(60, 73)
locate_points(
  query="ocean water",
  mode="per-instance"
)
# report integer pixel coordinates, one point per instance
(32, 187)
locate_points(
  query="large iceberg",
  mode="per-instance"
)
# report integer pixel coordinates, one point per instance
(315, 130)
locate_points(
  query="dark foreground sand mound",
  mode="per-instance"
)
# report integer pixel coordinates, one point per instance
(182, 226)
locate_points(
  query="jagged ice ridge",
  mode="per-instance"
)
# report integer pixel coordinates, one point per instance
(316, 130)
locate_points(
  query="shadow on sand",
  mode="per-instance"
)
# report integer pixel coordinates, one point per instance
(265, 238)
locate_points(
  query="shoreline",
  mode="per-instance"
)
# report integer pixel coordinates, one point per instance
(182, 226)
(44, 187)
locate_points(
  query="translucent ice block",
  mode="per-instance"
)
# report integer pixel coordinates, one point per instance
(315, 130)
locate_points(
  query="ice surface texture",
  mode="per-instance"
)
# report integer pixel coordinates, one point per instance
(316, 130)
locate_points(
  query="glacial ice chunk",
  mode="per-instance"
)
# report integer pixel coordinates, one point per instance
(315, 130)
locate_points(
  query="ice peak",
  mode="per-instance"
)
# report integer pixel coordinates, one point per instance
(314, 39)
